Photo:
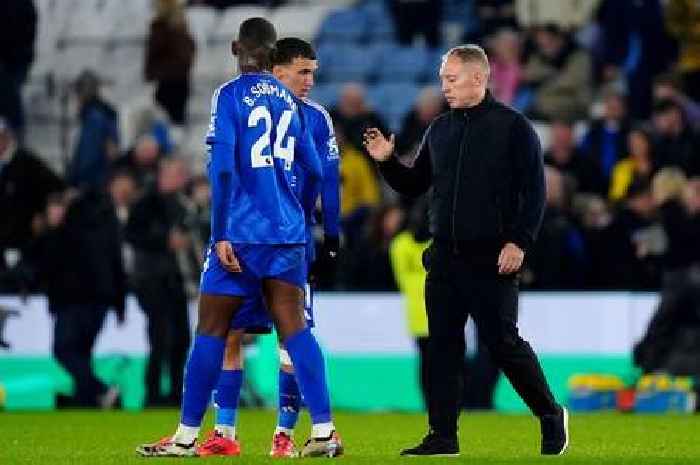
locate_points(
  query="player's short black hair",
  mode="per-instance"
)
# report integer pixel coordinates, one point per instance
(257, 32)
(289, 48)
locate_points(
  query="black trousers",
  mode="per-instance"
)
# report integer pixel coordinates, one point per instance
(163, 300)
(457, 288)
(172, 95)
(423, 365)
(75, 331)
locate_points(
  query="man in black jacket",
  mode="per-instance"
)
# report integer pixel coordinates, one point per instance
(483, 162)
(156, 231)
(78, 258)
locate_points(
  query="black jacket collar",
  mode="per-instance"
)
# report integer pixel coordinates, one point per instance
(478, 110)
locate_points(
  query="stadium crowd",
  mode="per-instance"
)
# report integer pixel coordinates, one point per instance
(615, 99)
(614, 89)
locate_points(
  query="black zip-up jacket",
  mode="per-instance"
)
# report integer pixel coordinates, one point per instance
(484, 167)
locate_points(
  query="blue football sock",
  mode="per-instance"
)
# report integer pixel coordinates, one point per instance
(226, 396)
(201, 374)
(310, 373)
(288, 410)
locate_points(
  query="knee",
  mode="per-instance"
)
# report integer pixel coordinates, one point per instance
(506, 347)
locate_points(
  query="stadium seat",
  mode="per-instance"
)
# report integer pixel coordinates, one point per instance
(232, 18)
(392, 101)
(346, 63)
(347, 25)
(404, 64)
(299, 21)
(202, 22)
(432, 66)
(380, 21)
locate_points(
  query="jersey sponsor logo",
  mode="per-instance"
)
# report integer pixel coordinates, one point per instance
(333, 151)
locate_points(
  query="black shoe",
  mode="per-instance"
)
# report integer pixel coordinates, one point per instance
(434, 445)
(555, 433)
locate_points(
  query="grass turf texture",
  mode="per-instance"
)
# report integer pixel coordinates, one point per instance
(95, 438)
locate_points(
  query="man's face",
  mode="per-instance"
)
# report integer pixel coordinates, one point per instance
(461, 82)
(172, 177)
(614, 108)
(298, 75)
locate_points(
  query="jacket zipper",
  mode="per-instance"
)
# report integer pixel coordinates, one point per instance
(462, 145)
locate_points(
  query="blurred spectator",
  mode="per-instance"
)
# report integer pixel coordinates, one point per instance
(506, 69)
(78, 258)
(606, 140)
(633, 46)
(370, 265)
(417, 18)
(567, 14)
(18, 22)
(632, 244)
(97, 142)
(672, 340)
(566, 157)
(594, 217)
(558, 74)
(148, 119)
(169, 57)
(142, 161)
(492, 16)
(406, 253)
(123, 190)
(353, 115)
(429, 105)
(157, 232)
(666, 88)
(675, 142)
(637, 167)
(200, 195)
(359, 189)
(25, 185)
(558, 258)
(682, 21)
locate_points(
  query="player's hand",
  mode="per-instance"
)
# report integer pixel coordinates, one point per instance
(511, 259)
(224, 251)
(379, 147)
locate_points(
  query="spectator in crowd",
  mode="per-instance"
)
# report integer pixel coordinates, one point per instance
(149, 119)
(370, 264)
(666, 88)
(593, 215)
(558, 258)
(417, 18)
(682, 19)
(637, 167)
(78, 258)
(157, 232)
(142, 161)
(506, 68)
(493, 15)
(18, 22)
(25, 185)
(429, 104)
(633, 47)
(672, 341)
(200, 196)
(632, 244)
(567, 14)
(353, 115)
(169, 57)
(360, 193)
(606, 140)
(567, 158)
(675, 142)
(406, 253)
(97, 143)
(123, 190)
(559, 75)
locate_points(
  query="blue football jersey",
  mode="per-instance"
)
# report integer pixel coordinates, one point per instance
(256, 137)
(320, 124)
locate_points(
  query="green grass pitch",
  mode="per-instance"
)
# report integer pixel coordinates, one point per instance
(95, 438)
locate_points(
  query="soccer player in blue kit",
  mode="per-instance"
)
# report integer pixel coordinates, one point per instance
(293, 63)
(255, 137)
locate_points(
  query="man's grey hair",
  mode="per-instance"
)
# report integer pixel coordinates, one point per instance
(469, 53)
